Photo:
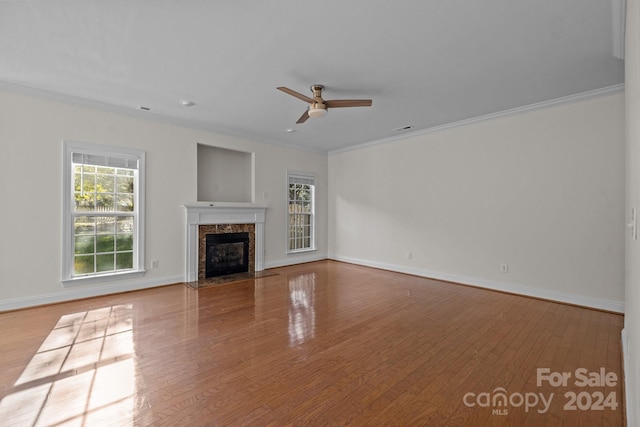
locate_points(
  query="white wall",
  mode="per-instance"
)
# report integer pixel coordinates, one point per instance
(31, 133)
(631, 335)
(541, 191)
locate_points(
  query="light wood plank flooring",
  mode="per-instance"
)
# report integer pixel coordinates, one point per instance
(323, 343)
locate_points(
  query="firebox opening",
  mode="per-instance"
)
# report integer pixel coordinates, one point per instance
(226, 253)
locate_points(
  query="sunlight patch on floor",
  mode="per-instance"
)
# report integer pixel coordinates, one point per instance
(83, 373)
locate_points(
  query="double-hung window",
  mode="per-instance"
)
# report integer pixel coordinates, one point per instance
(103, 212)
(301, 212)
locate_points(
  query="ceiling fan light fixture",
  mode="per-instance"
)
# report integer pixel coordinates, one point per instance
(316, 112)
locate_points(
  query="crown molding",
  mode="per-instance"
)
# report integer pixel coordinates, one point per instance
(150, 115)
(192, 124)
(512, 111)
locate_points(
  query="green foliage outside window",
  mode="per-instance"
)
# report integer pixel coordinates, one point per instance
(103, 242)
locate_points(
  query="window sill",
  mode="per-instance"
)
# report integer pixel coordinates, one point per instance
(298, 251)
(84, 280)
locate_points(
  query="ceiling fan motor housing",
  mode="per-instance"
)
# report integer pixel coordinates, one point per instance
(318, 108)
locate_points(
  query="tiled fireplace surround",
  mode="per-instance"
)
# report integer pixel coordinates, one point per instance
(219, 217)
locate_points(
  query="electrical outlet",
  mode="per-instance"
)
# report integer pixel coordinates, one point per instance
(504, 268)
(154, 263)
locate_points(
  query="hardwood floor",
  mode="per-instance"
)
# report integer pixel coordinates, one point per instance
(324, 343)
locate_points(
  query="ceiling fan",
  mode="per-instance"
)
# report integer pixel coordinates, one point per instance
(318, 106)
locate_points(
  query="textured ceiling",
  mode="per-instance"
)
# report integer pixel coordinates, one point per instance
(424, 63)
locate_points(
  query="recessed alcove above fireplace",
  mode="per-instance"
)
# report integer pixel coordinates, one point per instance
(204, 218)
(224, 175)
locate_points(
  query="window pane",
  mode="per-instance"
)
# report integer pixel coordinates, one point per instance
(105, 225)
(83, 264)
(104, 202)
(84, 225)
(105, 243)
(124, 242)
(125, 224)
(304, 194)
(125, 202)
(77, 181)
(125, 184)
(106, 182)
(85, 244)
(88, 184)
(104, 262)
(84, 202)
(124, 260)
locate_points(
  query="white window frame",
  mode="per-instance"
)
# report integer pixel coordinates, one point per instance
(304, 177)
(130, 154)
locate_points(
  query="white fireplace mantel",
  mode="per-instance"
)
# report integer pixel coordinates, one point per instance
(204, 213)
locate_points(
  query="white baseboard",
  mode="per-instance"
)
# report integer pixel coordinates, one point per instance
(584, 301)
(87, 292)
(116, 287)
(74, 293)
(298, 258)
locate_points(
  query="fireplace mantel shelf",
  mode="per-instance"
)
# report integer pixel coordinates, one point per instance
(224, 205)
(203, 213)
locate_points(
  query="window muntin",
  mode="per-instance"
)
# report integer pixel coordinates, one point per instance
(301, 213)
(103, 221)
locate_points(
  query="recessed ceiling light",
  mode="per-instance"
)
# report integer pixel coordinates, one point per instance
(187, 103)
(291, 130)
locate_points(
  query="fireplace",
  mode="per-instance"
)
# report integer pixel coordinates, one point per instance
(204, 218)
(226, 253)
(225, 250)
